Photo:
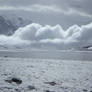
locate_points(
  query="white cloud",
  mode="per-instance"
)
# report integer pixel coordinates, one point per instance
(78, 12)
(37, 35)
(33, 8)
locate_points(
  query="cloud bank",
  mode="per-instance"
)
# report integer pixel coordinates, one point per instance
(50, 12)
(45, 9)
(49, 37)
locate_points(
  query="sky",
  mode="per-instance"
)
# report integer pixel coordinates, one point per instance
(60, 24)
(51, 12)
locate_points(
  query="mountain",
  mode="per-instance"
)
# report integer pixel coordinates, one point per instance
(8, 24)
(85, 48)
(89, 48)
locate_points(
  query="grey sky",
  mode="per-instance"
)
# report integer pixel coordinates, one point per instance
(63, 12)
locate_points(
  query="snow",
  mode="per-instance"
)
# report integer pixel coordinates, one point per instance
(69, 75)
(90, 48)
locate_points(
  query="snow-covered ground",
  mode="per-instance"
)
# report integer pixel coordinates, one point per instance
(45, 75)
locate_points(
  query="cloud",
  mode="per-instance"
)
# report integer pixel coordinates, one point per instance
(81, 7)
(52, 12)
(36, 35)
(46, 9)
(33, 8)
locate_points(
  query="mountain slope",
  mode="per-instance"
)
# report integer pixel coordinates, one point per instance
(9, 24)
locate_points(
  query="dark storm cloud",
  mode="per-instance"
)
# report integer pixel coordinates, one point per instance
(78, 5)
(63, 12)
(83, 6)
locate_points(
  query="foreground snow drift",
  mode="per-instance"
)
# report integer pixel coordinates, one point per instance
(44, 75)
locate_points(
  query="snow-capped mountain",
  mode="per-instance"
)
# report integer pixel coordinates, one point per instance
(8, 24)
(89, 47)
(84, 48)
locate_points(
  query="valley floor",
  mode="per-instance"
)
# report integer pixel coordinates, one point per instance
(45, 75)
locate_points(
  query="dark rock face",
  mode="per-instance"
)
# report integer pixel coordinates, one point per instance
(6, 27)
(9, 26)
(17, 90)
(51, 83)
(16, 80)
(31, 87)
(49, 91)
(86, 47)
(85, 90)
